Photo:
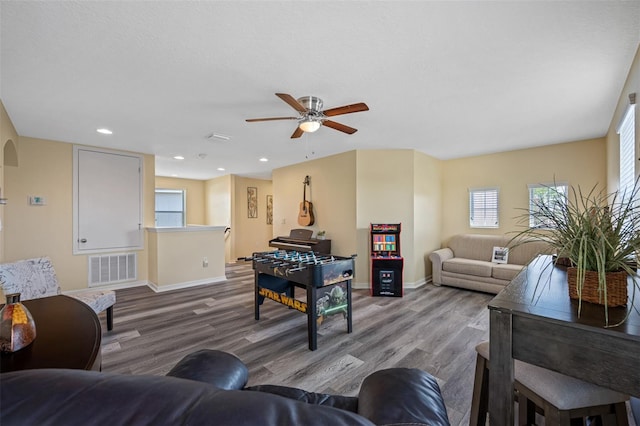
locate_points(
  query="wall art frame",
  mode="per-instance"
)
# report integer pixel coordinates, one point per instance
(269, 209)
(252, 202)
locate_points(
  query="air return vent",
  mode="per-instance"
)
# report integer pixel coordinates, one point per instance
(113, 268)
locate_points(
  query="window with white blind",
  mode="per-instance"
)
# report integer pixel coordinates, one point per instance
(483, 207)
(546, 195)
(627, 133)
(170, 208)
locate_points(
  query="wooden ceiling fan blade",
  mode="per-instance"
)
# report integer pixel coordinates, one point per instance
(292, 102)
(346, 109)
(339, 126)
(297, 133)
(251, 120)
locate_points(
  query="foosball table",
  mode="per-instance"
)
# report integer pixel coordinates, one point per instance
(326, 279)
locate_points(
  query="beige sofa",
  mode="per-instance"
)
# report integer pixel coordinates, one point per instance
(466, 262)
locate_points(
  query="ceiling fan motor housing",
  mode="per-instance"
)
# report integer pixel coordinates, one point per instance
(312, 103)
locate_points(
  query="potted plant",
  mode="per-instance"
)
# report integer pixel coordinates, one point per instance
(597, 235)
(320, 235)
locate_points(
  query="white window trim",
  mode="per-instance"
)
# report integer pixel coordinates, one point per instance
(472, 223)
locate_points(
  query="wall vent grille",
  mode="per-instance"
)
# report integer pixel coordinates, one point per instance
(112, 268)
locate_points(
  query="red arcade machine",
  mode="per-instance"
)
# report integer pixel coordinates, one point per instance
(386, 262)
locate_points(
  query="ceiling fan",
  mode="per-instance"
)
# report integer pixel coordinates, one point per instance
(311, 116)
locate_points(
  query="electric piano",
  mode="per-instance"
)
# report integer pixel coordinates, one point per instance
(300, 240)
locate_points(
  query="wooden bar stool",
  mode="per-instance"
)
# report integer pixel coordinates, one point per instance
(558, 397)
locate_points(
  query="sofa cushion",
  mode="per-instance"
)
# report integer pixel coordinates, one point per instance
(524, 252)
(220, 369)
(480, 247)
(486, 284)
(477, 268)
(476, 246)
(505, 271)
(386, 397)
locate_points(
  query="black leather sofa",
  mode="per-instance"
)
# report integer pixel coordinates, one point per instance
(209, 388)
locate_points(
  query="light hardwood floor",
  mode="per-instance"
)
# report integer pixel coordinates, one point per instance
(431, 328)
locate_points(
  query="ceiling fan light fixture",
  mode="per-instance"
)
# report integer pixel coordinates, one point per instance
(309, 125)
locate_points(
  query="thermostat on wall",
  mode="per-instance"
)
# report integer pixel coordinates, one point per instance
(36, 200)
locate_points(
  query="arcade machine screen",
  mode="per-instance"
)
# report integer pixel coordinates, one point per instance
(384, 244)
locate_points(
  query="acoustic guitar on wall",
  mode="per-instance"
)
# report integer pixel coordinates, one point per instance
(305, 215)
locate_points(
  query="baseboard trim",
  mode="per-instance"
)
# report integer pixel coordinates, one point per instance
(118, 286)
(177, 286)
(415, 284)
(407, 285)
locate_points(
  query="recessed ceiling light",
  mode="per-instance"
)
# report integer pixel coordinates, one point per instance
(221, 169)
(104, 131)
(174, 175)
(179, 157)
(264, 160)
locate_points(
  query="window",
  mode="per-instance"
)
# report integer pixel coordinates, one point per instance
(483, 208)
(170, 207)
(549, 195)
(626, 130)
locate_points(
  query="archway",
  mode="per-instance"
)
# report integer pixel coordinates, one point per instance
(10, 154)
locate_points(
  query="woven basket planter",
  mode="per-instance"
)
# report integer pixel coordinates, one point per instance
(616, 287)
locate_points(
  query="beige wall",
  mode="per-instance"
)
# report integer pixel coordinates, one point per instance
(218, 208)
(580, 164)
(218, 201)
(8, 143)
(179, 257)
(399, 186)
(195, 196)
(223, 202)
(152, 246)
(331, 191)
(632, 85)
(249, 234)
(352, 190)
(46, 169)
(428, 196)
(385, 195)
(427, 219)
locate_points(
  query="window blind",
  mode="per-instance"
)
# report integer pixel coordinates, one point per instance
(626, 130)
(170, 207)
(483, 208)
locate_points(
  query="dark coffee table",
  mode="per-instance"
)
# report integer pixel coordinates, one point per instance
(68, 335)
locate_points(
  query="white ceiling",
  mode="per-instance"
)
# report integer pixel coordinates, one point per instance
(449, 78)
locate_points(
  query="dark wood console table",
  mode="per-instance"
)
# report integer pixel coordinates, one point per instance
(68, 335)
(541, 326)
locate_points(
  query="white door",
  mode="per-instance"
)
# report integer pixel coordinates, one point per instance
(107, 201)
